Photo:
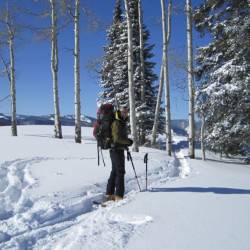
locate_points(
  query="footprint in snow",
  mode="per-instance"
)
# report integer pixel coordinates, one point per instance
(131, 219)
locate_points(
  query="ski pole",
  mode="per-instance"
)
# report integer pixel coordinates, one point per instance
(130, 157)
(103, 159)
(146, 162)
(98, 155)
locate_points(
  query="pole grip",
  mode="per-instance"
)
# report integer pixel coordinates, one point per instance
(146, 158)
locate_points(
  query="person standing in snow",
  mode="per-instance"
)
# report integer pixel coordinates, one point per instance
(120, 142)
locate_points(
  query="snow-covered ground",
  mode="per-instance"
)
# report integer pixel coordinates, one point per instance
(47, 187)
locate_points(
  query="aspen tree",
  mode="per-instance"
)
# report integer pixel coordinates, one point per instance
(166, 37)
(157, 108)
(191, 134)
(142, 64)
(203, 150)
(77, 72)
(10, 34)
(135, 147)
(54, 69)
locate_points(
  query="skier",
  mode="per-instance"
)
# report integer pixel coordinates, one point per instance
(120, 141)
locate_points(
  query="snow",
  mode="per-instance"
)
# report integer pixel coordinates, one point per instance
(85, 119)
(178, 138)
(4, 117)
(207, 210)
(47, 186)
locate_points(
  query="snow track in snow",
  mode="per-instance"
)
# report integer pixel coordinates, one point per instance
(49, 222)
(15, 181)
(181, 163)
(101, 228)
(104, 228)
(46, 201)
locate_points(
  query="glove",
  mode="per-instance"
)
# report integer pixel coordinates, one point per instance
(130, 142)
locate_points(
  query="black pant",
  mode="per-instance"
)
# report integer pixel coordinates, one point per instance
(116, 180)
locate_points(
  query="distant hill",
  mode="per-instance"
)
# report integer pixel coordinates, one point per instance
(179, 126)
(67, 120)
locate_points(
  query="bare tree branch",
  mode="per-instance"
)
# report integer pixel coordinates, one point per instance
(5, 98)
(7, 67)
(93, 65)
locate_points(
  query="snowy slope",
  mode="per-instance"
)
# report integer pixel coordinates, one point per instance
(207, 210)
(47, 187)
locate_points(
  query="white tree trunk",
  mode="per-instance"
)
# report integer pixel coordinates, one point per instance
(166, 37)
(203, 150)
(191, 135)
(131, 80)
(12, 85)
(11, 36)
(54, 69)
(142, 64)
(77, 73)
(157, 108)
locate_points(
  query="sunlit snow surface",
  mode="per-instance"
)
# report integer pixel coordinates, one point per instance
(47, 187)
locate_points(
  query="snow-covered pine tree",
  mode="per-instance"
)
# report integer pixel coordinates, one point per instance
(114, 77)
(145, 109)
(224, 74)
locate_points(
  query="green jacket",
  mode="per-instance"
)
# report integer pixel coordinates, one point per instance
(119, 134)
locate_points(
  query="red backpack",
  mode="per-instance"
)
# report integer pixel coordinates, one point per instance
(102, 128)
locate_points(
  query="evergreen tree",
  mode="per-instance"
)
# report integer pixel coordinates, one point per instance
(223, 73)
(114, 72)
(115, 60)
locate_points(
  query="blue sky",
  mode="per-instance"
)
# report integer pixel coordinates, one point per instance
(34, 83)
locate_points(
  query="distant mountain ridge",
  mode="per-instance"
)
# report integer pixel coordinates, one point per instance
(179, 126)
(67, 120)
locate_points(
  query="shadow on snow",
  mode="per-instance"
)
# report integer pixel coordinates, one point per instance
(216, 190)
(227, 160)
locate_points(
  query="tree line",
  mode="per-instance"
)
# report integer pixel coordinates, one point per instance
(217, 75)
(127, 73)
(223, 76)
(10, 28)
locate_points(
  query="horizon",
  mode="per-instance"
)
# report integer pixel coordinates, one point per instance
(63, 115)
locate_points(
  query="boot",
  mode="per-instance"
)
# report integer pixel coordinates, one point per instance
(110, 197)
(118, 198)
